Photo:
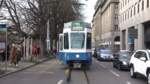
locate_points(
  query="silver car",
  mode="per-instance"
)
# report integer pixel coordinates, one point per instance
(105, 54)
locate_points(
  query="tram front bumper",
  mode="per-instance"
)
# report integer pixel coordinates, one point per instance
(79, 57)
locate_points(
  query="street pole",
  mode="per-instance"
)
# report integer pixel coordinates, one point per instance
(6, 57)
(48, 37)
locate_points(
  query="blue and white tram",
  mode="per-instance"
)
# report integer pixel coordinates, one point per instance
(75, 44)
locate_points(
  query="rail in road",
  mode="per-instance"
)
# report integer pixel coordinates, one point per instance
(69, 74)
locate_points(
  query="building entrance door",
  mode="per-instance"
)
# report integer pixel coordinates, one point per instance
(147, 35)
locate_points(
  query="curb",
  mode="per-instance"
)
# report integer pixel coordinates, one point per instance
(6, 74)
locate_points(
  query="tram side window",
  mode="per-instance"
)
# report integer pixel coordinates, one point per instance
(61, 43)
(66, 41)
(88, 43)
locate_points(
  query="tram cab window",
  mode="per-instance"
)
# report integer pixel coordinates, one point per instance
(66, 41)
(77, 40)
(88, 43)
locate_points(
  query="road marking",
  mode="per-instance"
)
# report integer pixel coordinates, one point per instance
(128, 82)
(113, 72)
(102, 66)
(99, 63)
(60, 82)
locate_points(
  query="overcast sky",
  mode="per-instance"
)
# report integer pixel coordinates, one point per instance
(89, 9)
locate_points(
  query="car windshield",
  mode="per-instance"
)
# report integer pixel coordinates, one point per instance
(77, 40)
(124, 55)
(105, 51)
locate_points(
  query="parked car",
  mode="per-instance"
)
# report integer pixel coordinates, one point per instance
(121, 60)
(105, 54)
(140, 64)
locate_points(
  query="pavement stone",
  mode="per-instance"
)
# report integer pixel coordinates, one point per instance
(22, 65)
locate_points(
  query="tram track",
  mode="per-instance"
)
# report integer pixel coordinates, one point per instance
(70, 78)
(86, 77)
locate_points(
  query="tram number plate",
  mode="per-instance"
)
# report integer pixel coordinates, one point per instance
(76, 65)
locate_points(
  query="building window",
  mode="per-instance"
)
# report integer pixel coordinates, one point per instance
(142, 5)
(125, 15)
(116, 16)
(123, 3)
(128, 13)
(116, 6)
(147, 3)
(138, 8)
(116, 28)
(134, 10)
(122, 18)
(131, 12)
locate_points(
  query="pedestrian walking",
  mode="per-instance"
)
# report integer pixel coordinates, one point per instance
(54, 51)
(34, 52)
(13, 55)
(38, 50)
(2, 54)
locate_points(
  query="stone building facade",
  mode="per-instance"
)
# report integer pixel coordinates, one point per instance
(134, 18)
(105, 24)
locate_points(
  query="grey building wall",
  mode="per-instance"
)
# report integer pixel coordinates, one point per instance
(134, 14)
(107, 23)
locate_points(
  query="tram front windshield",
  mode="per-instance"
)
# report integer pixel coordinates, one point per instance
(77, 40)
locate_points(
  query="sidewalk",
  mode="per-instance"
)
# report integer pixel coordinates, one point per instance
(21, 66)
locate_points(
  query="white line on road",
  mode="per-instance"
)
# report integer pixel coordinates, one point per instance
(99, 63)
(102, 66)
(60, 82)
(113, 72)
(128, 82)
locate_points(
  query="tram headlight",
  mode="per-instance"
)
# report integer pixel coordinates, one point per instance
(77, 56)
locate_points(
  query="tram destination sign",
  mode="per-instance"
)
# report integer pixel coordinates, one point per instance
(77, 26)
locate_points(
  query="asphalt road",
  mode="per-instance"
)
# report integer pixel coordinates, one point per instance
(52, 72)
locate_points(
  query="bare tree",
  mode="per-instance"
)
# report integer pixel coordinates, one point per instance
(62, 11)
(35, 14)
(57, 12)
(1, 3)
(16, 18)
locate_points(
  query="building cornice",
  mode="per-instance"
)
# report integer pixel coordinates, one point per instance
(105, 8)
(99, 4)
